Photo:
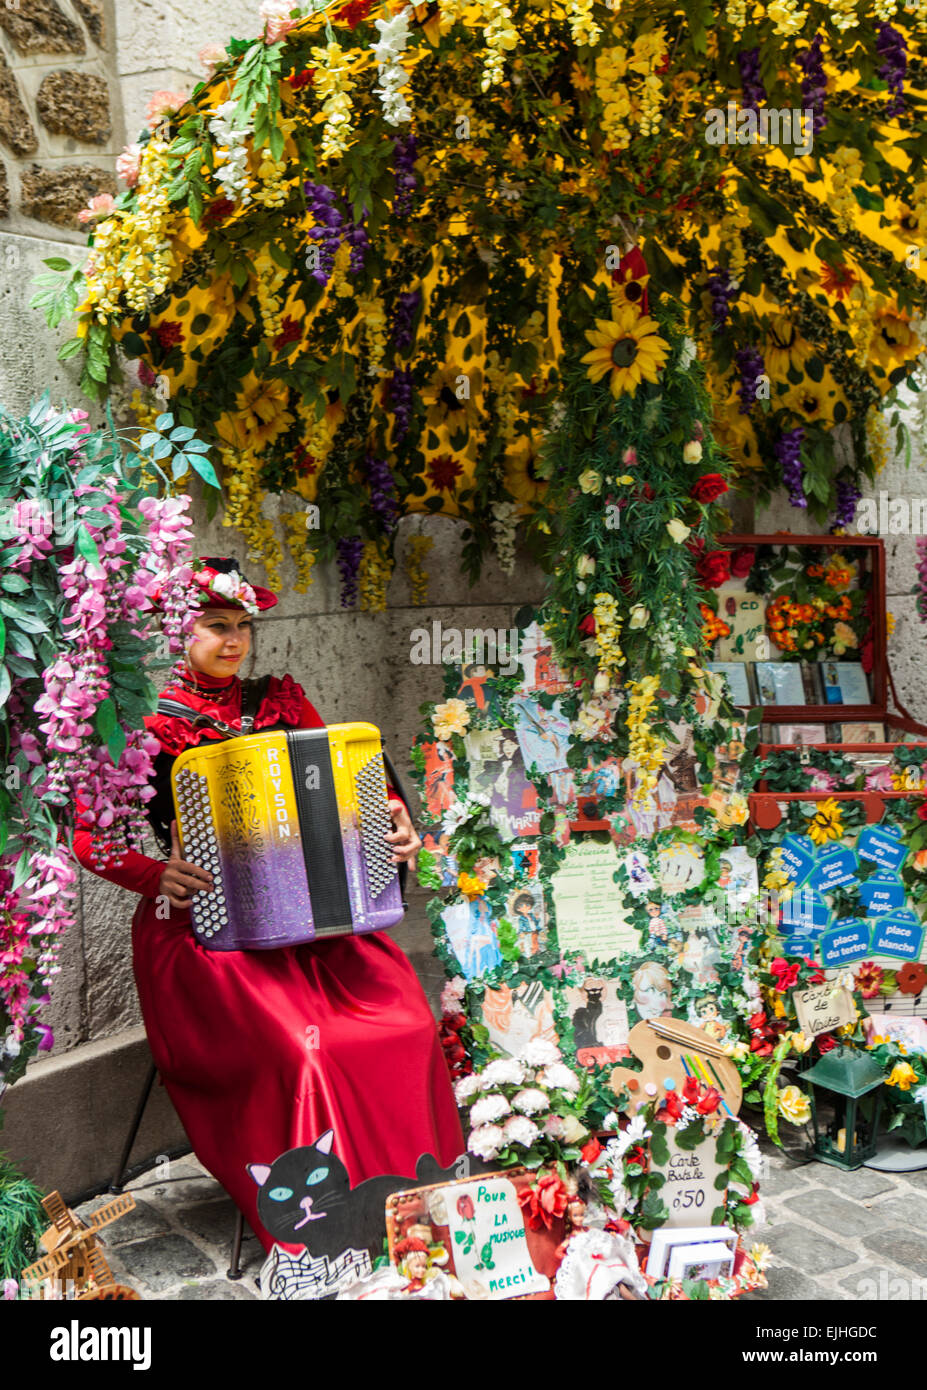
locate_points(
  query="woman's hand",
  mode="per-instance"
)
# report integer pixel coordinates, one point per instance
(403, 838)
(181, 880)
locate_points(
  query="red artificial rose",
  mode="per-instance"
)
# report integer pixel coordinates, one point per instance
(590, 1151)
(786, 975)
(742, 561)
(922, 810)
(587, 626)
(756, 1020)
(696, 546)
(299, 80)
(825, 1042)
(710, 1101)
(707, 488)
(672, 1107)
(754, 1197)
(690, 1089)
(713, 568)
(761, 1048)
(465, 1208)
(817, 976)
(544, 1203)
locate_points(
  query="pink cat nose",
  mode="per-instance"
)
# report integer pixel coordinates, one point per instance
(306, 1205)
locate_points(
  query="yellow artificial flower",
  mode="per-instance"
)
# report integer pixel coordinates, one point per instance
(590, 482)
(761, 1255)
(799, 1042)
(678, 530)
(826, 823)
(471, 886)
(903, 1076)
(450, 718)
(794, 1105)
(627, 349)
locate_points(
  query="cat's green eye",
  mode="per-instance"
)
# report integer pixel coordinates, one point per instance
(317, 1175)
(280, 1194)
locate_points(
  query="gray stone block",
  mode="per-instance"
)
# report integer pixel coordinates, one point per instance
(834, 1212)
(144, 1221)
(790, 1284)
(905, 1209)
(863, 1184)
(164, 1261)
(213, 1221)
(903, 1245)
(878, 1283)
(780, 1180)
(806, 1249)
(216, 1290)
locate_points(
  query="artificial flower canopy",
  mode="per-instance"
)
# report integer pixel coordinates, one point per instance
(363, 250)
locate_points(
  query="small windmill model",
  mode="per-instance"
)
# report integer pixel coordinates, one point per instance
(75, 1256)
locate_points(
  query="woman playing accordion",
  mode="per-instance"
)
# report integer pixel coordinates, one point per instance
(261, 1051)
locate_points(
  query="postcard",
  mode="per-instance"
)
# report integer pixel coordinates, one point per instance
(868, 732)
(737, 675)
(536, 659)
(513, 799)
(845, 683)
(745, 615)
(516, 1016)
(779, 683)
(543, 734)
(526, 912)
(600, 1021)
(473, 936)
(801, 734)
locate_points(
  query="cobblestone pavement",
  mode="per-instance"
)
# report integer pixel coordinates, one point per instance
(833, 1235)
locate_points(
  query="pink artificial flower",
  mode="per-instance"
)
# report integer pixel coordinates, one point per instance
(100, 206)
(276, 16)
(880, 780)
(211, 55)
(821, 781)
(128, 164)
(162, 104)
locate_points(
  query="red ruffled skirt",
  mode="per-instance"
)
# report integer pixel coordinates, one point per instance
(263, 1051)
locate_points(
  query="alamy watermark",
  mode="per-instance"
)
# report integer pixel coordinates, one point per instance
(891, 516)
(768, 125)
(473, 646)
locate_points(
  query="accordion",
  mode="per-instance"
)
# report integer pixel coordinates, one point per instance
(290, 825)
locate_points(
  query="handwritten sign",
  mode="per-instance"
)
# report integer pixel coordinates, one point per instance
(689, 1191)
(589, 904)
(822, 1008)
(489, 1240)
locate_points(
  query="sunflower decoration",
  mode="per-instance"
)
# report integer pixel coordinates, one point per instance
(826, 823)
(627, 349)
(261, 414)
(522, 480)
(452, 398)
(784, 348)
(817, 402)
(894, 341)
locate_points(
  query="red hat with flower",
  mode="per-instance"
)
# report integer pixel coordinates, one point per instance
(222, 585)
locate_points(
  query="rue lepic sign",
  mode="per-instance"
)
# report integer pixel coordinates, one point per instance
(489, 1240)
(690, 1193)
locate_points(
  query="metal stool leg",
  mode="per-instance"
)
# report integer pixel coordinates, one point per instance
(234, 1269)
(117, 1182)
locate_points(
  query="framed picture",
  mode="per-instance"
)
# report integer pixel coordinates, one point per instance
(668, 1239)
(801, 734)
(869, 732)
(710, 1260)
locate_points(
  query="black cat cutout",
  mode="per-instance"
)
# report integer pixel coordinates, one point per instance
(305, 1198)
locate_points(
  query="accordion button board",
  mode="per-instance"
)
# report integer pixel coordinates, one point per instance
(291, 826)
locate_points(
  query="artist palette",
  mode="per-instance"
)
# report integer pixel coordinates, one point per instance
(670, 1051)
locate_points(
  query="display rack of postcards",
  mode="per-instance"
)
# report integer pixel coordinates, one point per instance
(797, 628)
(848, 886)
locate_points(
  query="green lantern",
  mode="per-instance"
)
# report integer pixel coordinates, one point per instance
(845, 1132)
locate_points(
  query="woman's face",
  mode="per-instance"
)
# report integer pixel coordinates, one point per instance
(223, 640)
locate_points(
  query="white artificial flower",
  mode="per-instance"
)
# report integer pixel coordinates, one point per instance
(620, 1194)
(558, 1077)
(505, 1071)
(573, 1129)
(751, 1152)
(489, 1109)
(468, 1087)
(686, 354)
(539, 1053)
(553, 1126)
(486, 1142)
(530, 1101)
(635, 1133)
(520, 1130)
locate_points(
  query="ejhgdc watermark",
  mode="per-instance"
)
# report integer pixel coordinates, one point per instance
(472, 646)
(891, 516)
(767, 125)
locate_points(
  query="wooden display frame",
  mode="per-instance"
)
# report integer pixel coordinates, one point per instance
(878, 676)
(811, 749)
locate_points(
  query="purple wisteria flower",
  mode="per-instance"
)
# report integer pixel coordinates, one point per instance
(750, 365)
(399, 389)
(814, 82)
(788, 452)
(723, 289)
(754, 93)
(349, 550)
(891, 49)
(384, 498)
(404, 148)
(848, 494)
